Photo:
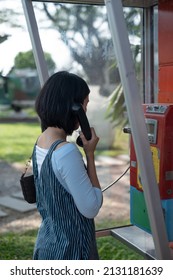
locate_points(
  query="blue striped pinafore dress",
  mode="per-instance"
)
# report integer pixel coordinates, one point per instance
(64, 234)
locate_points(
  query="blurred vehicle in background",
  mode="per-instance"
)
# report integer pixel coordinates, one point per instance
(19, 88)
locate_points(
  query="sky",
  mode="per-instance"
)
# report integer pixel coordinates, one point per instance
(19, 40)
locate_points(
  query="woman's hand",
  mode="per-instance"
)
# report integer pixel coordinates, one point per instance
(89, 146)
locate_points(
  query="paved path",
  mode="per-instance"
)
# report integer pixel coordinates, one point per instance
(16, 214)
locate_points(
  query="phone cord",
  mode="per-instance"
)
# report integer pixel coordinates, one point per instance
(114, 182)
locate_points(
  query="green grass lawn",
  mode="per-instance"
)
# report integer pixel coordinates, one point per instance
(17, 140)
(19, 246)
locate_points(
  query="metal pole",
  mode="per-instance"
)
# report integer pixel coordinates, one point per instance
(35, 40)
(149, 60)
(138, 126)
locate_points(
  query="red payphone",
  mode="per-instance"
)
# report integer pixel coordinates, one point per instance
(159, 122)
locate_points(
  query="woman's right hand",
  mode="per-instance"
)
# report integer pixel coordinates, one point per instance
(89, 146)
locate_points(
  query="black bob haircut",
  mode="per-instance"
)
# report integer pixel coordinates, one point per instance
(55, 100)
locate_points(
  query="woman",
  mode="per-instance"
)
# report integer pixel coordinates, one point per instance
(68, 192)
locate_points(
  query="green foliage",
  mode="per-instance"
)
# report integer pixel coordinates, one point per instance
(117, 107)
(26, 60)
(116, 110)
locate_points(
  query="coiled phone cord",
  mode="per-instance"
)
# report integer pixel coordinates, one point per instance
(114, 182)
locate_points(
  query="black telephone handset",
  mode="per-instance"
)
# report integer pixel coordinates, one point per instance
(83, 121)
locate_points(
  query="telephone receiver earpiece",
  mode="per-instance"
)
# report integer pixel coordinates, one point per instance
(83, 121)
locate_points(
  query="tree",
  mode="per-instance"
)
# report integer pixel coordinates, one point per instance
(84, 29)
(116, 110)
(3, 38)
(26, 60)
(7, 16)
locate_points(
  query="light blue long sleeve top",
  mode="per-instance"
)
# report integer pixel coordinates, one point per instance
(69, 168)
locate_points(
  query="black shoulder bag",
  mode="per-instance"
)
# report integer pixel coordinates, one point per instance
(28, 185)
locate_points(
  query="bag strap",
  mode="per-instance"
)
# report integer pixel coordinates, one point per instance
(53, 146)
(51, 149)
(27, 165)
